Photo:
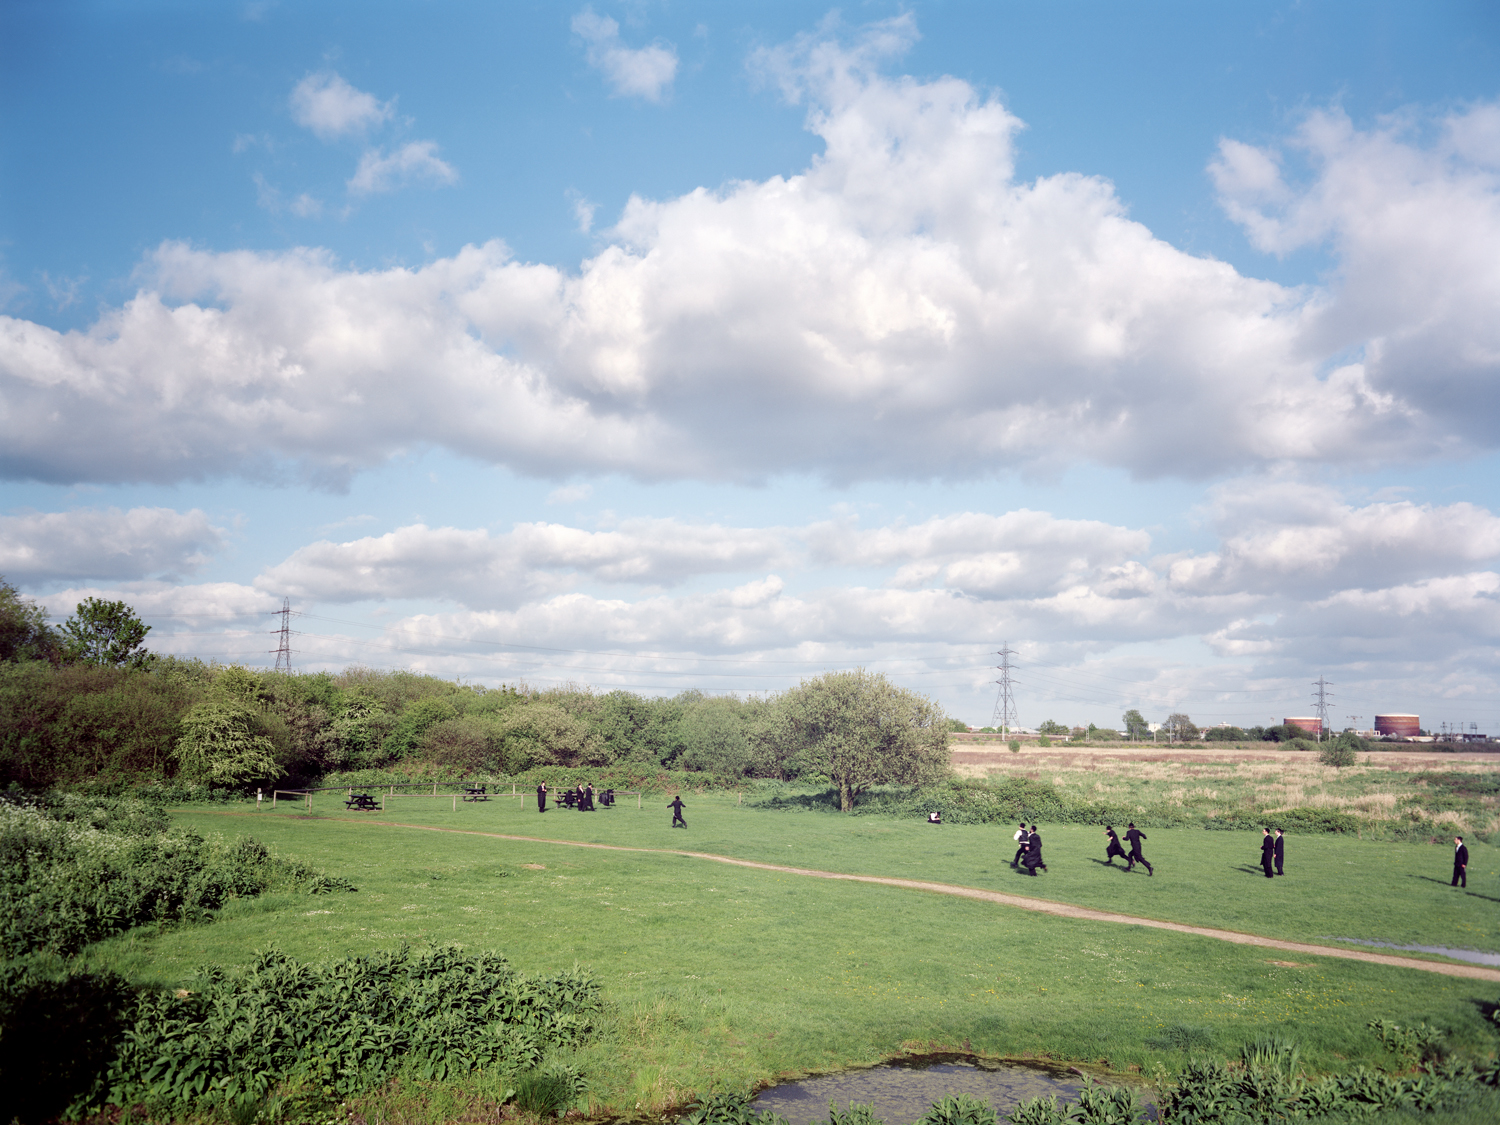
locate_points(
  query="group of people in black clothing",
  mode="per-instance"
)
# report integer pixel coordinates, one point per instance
(580, 797)
(1029, 849)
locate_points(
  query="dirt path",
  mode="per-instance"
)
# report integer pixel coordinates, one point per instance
(1020, 902)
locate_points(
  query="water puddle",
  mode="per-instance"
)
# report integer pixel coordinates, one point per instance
(1471, 955)
(903, 1092)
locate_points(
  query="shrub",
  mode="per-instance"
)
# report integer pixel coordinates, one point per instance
(326, 1030)
(65, 883)
(1337, 754)
(958, 1109)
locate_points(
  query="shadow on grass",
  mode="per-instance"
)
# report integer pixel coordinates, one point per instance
(1106, 863)
(1249, 869)
(1442, 883)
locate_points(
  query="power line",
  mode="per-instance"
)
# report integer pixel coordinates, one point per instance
(1322, 696)
(1005, 702)
(284, 649)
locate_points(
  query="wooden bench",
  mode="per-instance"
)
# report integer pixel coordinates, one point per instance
(476, 793)
(362, 801)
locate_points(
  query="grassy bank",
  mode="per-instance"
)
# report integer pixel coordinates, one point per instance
(724, 976)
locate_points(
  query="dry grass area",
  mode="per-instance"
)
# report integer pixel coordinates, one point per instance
(1214, 781)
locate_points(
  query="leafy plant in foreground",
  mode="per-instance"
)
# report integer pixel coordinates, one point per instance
(959, 1109)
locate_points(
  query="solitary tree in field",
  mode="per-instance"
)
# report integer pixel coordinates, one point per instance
(860, 730)
(104, 633)
(1135, 724)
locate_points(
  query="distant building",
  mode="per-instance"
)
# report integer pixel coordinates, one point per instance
(1312, 725)
(1398, 726)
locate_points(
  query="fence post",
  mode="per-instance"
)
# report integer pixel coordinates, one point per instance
(434, 789)
(273, 798)
(455, 802)
(637, 798)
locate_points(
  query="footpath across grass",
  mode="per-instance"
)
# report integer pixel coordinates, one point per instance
(728, 976)
(1335, 887)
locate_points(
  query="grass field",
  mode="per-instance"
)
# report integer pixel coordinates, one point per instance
(728, 976)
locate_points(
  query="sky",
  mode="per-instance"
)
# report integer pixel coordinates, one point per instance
(662, 346)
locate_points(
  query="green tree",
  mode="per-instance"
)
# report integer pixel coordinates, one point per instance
(219, 744)
(24, 632)
(1179, 727)
(859, 730)
(1050, 727)
(105, 634)
(1135, 724)
(958, 726)
(715, 738)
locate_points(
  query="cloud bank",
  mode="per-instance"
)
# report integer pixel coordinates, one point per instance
(902, 308)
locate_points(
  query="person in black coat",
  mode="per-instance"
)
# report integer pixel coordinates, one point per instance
(1112, 846)
(675, 804)
(588, 797)
(541, 797)
(1020, 838)
(1460, 863)
(1033, 858)
(1267, 851)
(1279, 851)
(1135, 836)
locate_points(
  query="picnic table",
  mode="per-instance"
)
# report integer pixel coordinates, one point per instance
(568, 798)
(475, 793)
(362, 801)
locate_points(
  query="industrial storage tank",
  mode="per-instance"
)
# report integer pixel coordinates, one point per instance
(1312, 725)
(1398, 726)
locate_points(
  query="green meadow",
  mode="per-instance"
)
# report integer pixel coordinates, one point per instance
(725, 977)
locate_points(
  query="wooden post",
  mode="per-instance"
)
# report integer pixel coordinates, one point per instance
(273, 798)
(455, 802)
(434, 789)
(637, 798)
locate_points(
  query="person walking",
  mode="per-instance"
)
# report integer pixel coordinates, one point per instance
(1112, 845)
(588, 797)
(675, 804)
(1460, 863)
(541, 797)
(1020, 839)
(1279, 851)
(1033, 858)
(1135, 836)
(1267, 852)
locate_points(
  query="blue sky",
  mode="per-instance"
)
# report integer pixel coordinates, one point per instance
(702, 345)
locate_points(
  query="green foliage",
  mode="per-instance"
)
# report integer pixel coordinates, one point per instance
(549, 1091)
(860, 730)
(715, 738)
(728, 1109)
(331, 1030)
(1105, 1105)
(958, 726)
(58, 1036)
(1179, 728)
(24, 632)
(105, 634)
(74, 870)
(1015, 745)
(218, 744)
(854, 1113)
(1342, 751)
(1414, 1044)
(1225, 734)
(1050, 727)
(958, 1109)
(1135, 724)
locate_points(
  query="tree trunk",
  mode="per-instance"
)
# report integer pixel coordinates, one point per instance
(846, 796)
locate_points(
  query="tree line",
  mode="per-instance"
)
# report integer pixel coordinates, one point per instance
(89, 702)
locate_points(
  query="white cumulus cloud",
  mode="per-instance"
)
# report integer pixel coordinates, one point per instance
(108, 544)
(330, 107)
(903, 307)
(415, 161)
(639, 72)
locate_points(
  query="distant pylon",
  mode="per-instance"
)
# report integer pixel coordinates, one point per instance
(284, 650)
(1322, 696)
(1005, 702)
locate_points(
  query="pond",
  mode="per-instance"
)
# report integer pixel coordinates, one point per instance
(902, 1092)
